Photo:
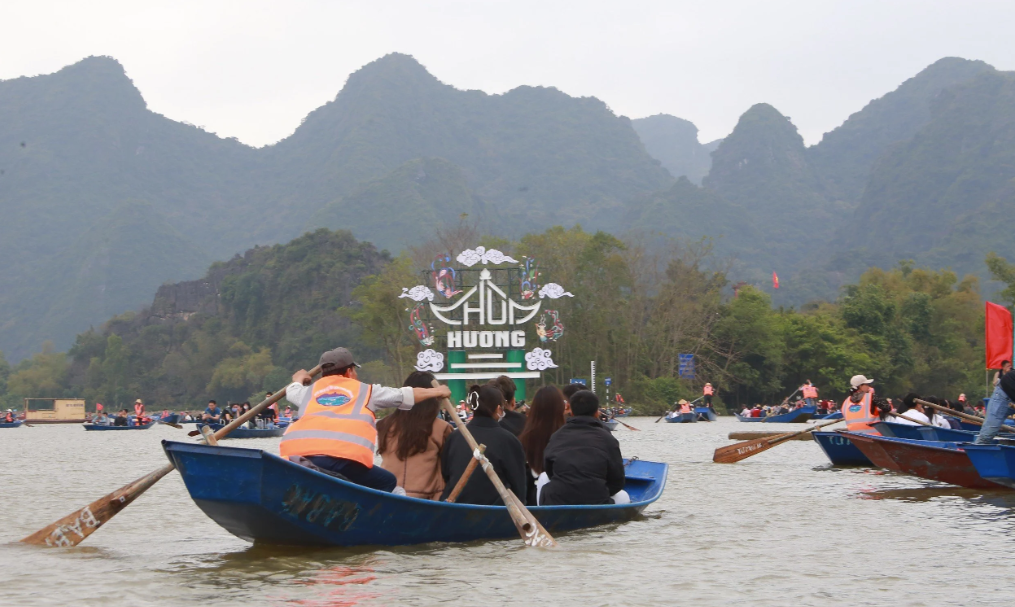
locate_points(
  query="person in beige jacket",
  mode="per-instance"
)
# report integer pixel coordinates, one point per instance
(410, 443)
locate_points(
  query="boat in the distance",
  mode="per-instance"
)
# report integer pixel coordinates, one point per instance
(112, 427)
(13, 424)
(705, 414)
(797, 416)
(611, 424)
(263, 498)
(681, 418)
(244, 432)
(840, 450)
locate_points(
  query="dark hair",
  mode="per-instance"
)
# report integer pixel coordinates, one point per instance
(327, 370)
(211, 402)
(546, 416)
(584, 402)
(570, 389)
(506, 386)
(411, 429)
(907, 402)
(484, 400)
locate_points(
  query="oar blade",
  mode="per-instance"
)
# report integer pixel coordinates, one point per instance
(736, 452)
(72, 529)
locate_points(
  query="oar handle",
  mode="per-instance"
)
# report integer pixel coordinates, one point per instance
(969, 418)
(261, 406)
(464, 480)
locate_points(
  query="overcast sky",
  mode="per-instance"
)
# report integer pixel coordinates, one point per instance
(254, 69)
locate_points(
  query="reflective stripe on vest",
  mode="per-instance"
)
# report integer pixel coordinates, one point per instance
(336, 423)
(861, 419)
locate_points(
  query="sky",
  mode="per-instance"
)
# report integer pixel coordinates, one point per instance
(253, 69)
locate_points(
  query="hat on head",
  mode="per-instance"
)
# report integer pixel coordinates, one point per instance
(858, 380)
(138, 400)
(681, 402)
(339, 357)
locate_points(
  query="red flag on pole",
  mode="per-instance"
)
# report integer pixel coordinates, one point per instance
(999, 335)
(775, 280)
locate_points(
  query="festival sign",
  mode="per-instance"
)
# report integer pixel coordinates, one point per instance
(483, 308)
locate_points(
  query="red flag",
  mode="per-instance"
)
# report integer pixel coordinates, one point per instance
(999, 335)
(775, 280)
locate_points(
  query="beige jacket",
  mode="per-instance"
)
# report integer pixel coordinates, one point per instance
(420, 475)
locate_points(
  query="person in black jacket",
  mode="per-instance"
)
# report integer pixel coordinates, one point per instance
(502, 449)
(583, 460)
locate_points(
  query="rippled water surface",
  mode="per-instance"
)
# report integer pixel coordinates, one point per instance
(781, 528)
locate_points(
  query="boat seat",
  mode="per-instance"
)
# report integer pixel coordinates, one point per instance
(299, 460)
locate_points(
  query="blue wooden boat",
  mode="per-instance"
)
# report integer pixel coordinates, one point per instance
(705, 414)
(611, 424)
(682, 418)
(263, 498)
(112, 427)
(798, 416)
(834, 415)
(13, 424)
(247, 432)
(946, 462)
(996, 463)
(840, 450)
(928, 433)
(172, 418)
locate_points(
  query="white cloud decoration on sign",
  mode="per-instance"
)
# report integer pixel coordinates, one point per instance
(553, 291)
(429, 360)
(417, 293)
(539, 360)
(470, 257)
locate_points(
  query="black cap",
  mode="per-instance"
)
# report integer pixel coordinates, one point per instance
(339, 357)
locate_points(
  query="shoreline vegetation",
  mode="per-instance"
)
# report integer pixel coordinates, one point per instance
(251, 321)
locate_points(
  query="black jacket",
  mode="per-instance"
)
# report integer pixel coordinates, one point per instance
(502, 449)
(513, 422)
(584, 464)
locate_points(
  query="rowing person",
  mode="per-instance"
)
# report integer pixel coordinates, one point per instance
(337, 429)
(9, 417)
(138, 409)
(860, 410)
(706, 393)
(810, 393)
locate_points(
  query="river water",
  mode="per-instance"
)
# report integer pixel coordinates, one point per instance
(780, 528)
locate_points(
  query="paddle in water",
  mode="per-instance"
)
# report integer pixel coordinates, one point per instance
(532, 532)
(740, 451)
(72, 529)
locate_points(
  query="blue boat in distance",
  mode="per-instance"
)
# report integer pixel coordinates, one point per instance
(13, 424)
(797, 416)
(681, 418)
(705, 414)
(112, 427)
(263, 498)
(840, 450)
(835, 415)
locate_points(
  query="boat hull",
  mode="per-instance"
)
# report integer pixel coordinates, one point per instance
(246, 432)
(11, 424)
(995, 463)
(270, 500)
(799, 416)
(611, 425)
(705, 414)
(682, 418)
(101, 427)
(938, 461)
(840, 450)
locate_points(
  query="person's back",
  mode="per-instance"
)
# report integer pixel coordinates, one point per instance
(503, 450)
(121, 420)
(582, 460)
(410, 443)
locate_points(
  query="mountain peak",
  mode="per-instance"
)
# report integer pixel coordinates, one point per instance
(392, 70)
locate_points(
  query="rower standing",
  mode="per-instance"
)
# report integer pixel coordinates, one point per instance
(810, 393)
(706, 393)
(138, 409)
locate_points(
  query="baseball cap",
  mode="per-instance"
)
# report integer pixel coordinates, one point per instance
(858, 380)
(339, 357)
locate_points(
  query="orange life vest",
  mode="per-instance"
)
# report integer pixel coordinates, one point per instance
(707, 390)
(138, 409)
(335, 423)
(810, 392)
(685, 408)
(858, 416)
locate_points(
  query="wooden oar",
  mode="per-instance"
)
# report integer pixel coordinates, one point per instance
(734, 453)
(973, 419)
(533, 533)
(465, 477)
(626, 425)
(915, 421)
(72, 529)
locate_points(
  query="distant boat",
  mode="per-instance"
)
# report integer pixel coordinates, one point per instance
(243, 432)
(705, 414)
(681, 418)
(262, 498)
(112, 427)
(611, 425)
(835, 415)
(797, 416)
(840, 450)
(13, 424)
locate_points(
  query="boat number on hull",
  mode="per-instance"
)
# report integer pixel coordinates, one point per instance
(319, 509)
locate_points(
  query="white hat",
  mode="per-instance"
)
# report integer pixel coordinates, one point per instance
(858, 380)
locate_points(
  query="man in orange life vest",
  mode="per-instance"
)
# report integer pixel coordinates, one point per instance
(810, 393)
(336, 429)
(861, 409)
(707, 392)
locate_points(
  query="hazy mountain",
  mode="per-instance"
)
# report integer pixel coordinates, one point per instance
(674, 143)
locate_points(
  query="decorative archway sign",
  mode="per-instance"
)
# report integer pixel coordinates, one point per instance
(483, 307)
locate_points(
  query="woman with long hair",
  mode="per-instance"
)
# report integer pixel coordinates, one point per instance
(502, 449)
(546, 416)
(410, 443)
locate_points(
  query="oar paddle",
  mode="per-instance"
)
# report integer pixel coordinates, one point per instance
(533, 534)
(72, 529)
(973, 419)
(626, 425)
(734, 453)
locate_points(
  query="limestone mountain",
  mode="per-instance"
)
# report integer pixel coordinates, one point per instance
(674, 143)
